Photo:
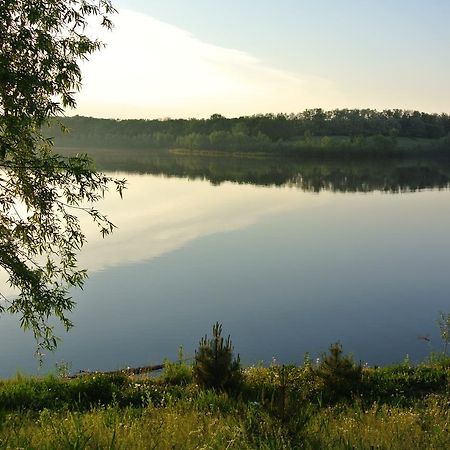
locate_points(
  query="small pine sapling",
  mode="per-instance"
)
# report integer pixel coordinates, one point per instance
(214, 365)
(340, 375)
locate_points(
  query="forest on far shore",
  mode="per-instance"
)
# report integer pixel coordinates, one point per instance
(344, 130)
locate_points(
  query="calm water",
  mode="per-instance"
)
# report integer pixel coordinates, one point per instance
(290, 257)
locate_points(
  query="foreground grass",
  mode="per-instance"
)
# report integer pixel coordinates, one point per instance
(183, 425)
(397, 407)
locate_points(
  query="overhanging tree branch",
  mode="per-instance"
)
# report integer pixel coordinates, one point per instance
(41, 45)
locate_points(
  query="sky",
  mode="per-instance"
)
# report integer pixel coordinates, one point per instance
(194, 59)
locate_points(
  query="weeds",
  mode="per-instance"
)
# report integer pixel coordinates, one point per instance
(444, 330)
(331, 404)
(178, 373)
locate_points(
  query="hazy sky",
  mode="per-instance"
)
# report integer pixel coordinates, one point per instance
(195, 58)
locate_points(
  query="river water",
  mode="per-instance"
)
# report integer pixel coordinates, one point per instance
(290, 257)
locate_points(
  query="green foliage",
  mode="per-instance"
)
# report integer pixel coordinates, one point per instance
(214, 366)
(444, 330)
(402, 385)
(281, 391)
(340, 376)
(41, 193)
(50, 392)
(281, 388)
(423, 426)
(398, 407)
(311, 132)
(209, 419)
(177, 373)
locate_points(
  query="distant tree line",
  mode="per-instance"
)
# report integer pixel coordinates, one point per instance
(343, 129)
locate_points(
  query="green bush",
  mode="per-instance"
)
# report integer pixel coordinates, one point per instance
(404, 385)
(340, 376)
(177, 373)
(50, 392)
(214, 366)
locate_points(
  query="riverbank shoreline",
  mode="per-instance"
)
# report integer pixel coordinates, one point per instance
(399, 406)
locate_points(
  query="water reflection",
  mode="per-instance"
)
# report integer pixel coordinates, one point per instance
(159, 215)
(309, 175)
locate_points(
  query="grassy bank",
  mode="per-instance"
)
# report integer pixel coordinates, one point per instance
(273, 407)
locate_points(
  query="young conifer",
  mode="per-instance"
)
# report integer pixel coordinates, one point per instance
(339, 373)
(214, 365)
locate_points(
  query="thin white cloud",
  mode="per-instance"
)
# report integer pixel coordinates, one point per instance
(152, 69)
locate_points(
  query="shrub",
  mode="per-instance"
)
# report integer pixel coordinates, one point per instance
(340, 376)
(214, 366)
(177, 373)
(402, 385)
(444, 330)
